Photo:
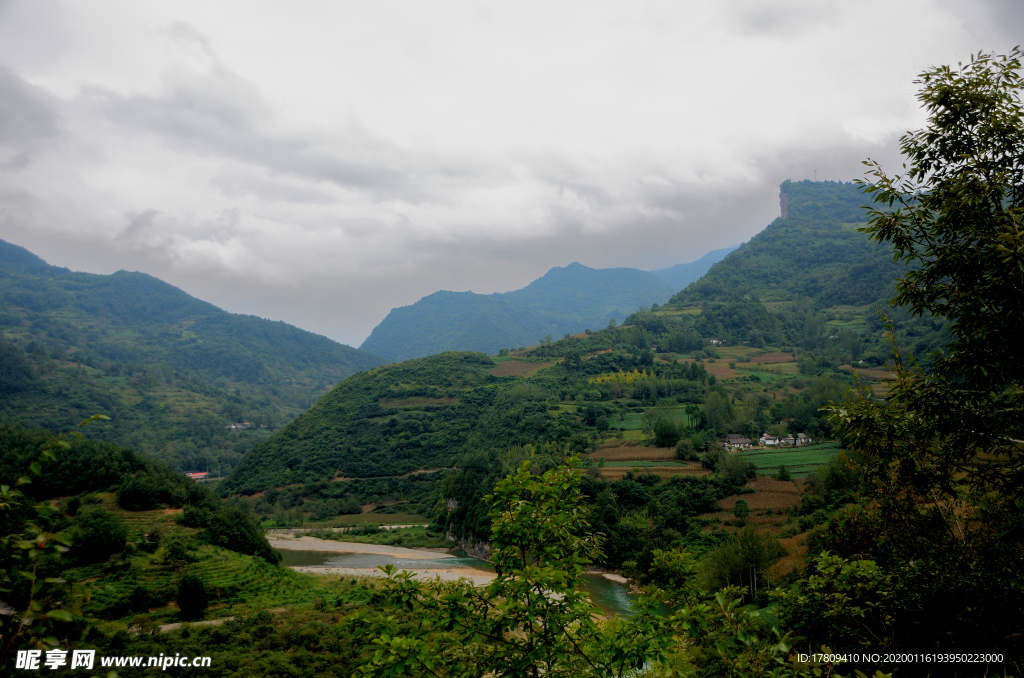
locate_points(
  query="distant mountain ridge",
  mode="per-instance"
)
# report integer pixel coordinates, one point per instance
(565, 300)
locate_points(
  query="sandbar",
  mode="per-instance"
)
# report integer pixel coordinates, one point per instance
(331, 546)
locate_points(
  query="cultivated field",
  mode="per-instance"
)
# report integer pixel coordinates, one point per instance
(518, 368)
(621, 450)
(662, 471)
(798, 460)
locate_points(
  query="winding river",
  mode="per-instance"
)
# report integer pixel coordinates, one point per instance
(335, 558)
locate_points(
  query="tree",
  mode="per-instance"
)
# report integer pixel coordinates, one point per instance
(98, 535)
(957, 223)
(28, 548)
(533, 619)
(741, 510)
(942, 461)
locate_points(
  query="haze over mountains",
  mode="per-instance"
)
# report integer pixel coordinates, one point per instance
(565, 300)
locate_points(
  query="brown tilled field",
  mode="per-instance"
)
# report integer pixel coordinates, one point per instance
(769, 493)
(773, 357)
(721, 370)
(777, 495)
(622, 450)
(796, 550)
(666, 472)
(518, 368)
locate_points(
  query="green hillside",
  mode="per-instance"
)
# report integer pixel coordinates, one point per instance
(681, 275)
(787, 335)
(170, 370)
(565, 300)
(814, 252)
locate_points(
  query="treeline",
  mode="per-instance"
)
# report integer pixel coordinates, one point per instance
(85, 467)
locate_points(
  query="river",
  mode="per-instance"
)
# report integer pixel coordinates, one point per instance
(612, 597)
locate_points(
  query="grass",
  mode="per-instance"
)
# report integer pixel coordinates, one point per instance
(634, 421)
(409, 537)
(376, 518)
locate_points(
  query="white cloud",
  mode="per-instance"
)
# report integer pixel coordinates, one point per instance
(321, 162)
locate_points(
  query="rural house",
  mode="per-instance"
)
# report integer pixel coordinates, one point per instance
(735, 441)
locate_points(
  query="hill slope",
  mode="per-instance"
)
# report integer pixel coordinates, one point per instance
(171, 370)
(681, 275)
(565, 300)
(814, 250)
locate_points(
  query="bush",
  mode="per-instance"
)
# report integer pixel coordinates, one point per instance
(712, 459)
(159, 485)
(685, 451)
(192, 597)
(98, 535)
(235, 530)
(736, 471)
(178, 551)
(666, 433)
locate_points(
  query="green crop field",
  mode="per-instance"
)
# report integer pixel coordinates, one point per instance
(799, 460)
(634, 421)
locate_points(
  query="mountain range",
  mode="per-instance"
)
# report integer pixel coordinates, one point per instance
(565, 300)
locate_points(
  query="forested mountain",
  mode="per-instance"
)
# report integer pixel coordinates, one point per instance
(812, 251)
(170, 370)
(565, 300)
(425, 414)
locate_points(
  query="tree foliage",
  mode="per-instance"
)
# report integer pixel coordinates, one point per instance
(533, 619)
(942, 457)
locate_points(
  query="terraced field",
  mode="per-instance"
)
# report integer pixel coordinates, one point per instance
(799, 460)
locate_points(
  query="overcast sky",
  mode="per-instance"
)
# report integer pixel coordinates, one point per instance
(321, 162)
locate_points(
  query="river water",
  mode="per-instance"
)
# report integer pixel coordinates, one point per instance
(613, 598)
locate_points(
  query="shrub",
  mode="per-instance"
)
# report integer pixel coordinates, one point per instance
(98, 535)
(685, 451)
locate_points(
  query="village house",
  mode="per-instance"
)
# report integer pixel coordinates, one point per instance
(735, 441)
(803, 439)
(789, 441)
(768, 439)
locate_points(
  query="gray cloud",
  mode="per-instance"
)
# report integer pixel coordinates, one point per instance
(322, 168)
(28, 117)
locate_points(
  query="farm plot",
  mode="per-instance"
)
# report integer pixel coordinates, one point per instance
(518, 368)
(660, 470)
(615, 452)
(799, 460)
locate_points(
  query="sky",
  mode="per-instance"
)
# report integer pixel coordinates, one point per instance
(321, 162)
